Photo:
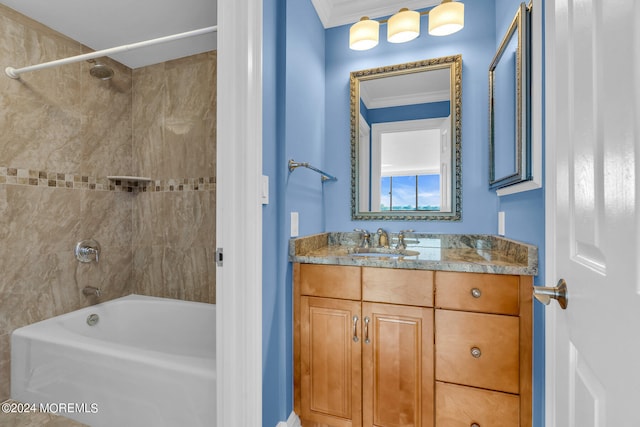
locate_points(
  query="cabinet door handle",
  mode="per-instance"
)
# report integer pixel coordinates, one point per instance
(355, 329)
(476, 293)
(474, 425)
(366, 330)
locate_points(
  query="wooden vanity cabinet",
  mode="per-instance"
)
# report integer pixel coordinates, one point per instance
(394, 347)
(358, 359)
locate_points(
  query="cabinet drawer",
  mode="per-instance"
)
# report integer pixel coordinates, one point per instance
(330, 281)
(487, 293)
(398, 286)
(480, 350)
(460, 406)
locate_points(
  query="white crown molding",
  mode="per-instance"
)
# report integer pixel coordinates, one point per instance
(408, 99)
(334, 13)
(323, 9)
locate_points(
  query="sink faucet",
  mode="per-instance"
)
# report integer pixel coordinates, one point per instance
(401, 245)
(383, 238)
(366, 237)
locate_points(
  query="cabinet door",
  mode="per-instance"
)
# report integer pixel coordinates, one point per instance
(397, 360)
(331, 373)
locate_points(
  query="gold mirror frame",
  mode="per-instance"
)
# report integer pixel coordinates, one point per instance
(454, 63)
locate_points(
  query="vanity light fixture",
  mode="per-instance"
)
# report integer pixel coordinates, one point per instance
(404, 26)
(444, 19)
(363, 35)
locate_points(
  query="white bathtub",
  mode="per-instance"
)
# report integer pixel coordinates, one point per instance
(146, 362)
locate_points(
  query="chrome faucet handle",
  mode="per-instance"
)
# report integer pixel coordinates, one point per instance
(401, 243)
(366, 237)
(87, 251)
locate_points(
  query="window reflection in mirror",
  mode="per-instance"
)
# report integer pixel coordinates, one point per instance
(406, 141)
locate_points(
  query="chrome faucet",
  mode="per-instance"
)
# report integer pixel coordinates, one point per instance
(91, 291)
(401, 245)
(366, 237)
(383, 238)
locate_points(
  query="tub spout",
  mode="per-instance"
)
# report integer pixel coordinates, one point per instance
(91, 291)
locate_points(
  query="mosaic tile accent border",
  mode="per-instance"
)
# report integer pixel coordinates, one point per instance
(17, 176)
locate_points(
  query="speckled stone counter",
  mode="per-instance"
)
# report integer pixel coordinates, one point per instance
(446, 252)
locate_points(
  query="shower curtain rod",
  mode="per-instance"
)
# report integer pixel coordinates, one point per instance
(15, 73)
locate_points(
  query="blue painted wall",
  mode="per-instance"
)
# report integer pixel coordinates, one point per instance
(306, 117)
(429, 110)
(476, 43)
(274, 366)
(293, 128)
(524, 221)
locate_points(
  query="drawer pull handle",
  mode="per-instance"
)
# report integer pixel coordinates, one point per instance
(474, 425)
(355, 329)
(475, 352)
(366, 330)
(476, 293)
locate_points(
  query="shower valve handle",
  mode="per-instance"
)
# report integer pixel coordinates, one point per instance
(87, 251)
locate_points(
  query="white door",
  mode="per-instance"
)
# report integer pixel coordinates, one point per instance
(593, 126)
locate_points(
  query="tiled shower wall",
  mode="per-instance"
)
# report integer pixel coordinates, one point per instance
(174, 142)
(61, 133)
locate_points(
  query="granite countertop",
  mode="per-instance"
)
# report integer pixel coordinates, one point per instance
(446, 252)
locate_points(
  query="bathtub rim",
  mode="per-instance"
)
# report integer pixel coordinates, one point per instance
(40, 331)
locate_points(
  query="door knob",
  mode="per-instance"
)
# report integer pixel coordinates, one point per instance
(559, 293)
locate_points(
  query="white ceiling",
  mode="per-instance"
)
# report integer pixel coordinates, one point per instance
(406, 89)
(102, 24)
(424, 146)
(334, 13)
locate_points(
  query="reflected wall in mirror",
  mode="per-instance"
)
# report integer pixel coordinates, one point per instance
(405, 141)
(509, 113)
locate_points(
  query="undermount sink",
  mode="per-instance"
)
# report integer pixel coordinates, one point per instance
(382, 252)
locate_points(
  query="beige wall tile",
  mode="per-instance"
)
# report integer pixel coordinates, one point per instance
(5, 367)
(177, 219)
(106, 217)
(40, 220)
(180, 273)
(148, 118)
(174, 117)
(106, 121)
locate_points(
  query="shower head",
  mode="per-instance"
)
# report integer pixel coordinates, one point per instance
(101, 71)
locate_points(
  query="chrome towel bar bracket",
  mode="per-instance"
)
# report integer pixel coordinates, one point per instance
(323, 175)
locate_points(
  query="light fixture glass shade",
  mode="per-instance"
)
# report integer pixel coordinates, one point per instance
(447, 18)
(364, 34)
(403, 26)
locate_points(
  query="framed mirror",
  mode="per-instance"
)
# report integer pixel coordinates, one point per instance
(405, 141)
(509, 111)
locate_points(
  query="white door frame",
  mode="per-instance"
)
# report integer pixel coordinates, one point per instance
(550, 225)
(239, 214)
